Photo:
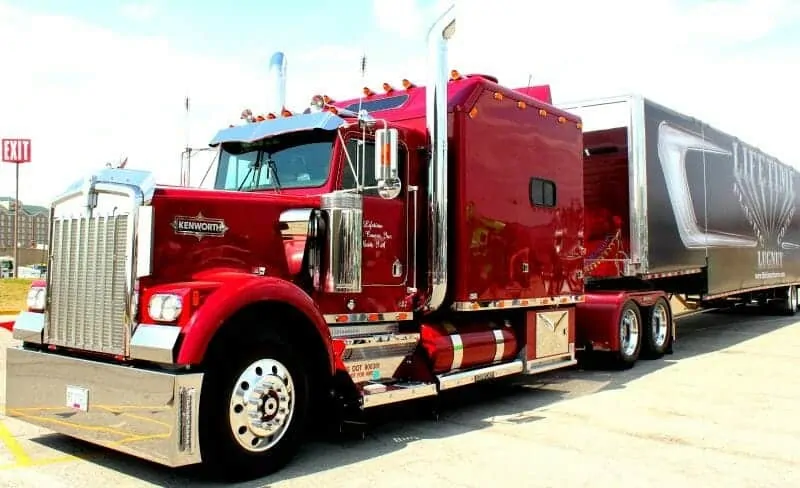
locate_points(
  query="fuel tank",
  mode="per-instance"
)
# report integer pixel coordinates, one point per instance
(452, 347)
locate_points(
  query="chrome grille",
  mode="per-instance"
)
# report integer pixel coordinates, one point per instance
(87, 283)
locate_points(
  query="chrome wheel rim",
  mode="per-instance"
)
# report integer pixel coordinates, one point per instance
(629, 332)
(659, 324)
(792, 299)
(262, 405)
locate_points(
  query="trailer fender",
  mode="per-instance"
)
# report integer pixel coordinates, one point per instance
(231, 297)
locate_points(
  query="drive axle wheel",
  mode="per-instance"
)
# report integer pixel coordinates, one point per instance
(253, 409)
(658, 331)
(630, 337)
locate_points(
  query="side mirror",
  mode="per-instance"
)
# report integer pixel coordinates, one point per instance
(386, 163)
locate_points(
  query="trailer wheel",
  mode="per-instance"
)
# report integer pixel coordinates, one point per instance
(253, 410)
(658, 330)
(790, 304)
(629, 329)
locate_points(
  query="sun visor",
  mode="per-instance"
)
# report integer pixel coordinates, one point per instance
(253, 132)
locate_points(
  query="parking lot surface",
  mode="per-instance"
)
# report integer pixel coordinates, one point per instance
(720, 412)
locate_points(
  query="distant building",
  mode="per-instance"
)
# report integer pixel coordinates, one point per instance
(33, 224)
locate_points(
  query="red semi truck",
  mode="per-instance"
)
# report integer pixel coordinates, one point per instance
(381, 250)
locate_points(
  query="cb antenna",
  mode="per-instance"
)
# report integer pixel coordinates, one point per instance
(186, 162)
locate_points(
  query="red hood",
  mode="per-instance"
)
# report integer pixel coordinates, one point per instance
(198, 233)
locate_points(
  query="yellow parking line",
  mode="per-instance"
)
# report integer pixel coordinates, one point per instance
(38, 462)
(20, 456)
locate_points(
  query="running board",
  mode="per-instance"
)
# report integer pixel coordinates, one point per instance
(377, 394)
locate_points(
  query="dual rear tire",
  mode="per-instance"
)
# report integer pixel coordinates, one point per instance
(643, 332)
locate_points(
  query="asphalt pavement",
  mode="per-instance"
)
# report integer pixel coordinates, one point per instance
(720, 412)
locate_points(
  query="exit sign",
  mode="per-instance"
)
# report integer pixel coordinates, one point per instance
(16, 151)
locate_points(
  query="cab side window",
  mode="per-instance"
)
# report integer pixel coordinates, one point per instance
(366, 165)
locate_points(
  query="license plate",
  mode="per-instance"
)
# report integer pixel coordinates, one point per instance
(78, 398)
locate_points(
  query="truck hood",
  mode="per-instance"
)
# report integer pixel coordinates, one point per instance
(199, 233)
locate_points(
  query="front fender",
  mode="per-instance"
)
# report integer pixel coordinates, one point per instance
(234, 295)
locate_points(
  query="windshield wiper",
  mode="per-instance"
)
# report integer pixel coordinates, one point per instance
(273, 169)
(255, 170)
(255, 165)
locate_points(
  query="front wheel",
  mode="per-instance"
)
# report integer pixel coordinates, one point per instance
(253, 410)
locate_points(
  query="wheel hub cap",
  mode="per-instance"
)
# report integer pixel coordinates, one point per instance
(629, 332)
(659, 325)
(262, 405)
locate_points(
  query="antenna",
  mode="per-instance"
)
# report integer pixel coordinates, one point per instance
(530, 79)
(186, 162)
(363, 78)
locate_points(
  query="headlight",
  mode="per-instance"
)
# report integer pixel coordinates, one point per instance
(165, 307)
(36, 298)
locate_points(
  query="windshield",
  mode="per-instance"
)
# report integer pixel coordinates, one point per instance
(276, 163)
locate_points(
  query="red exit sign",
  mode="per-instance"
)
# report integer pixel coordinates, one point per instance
(16, 151)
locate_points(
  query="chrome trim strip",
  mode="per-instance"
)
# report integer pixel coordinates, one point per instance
(637, 175)
(463, 378)
(518, 303)
(436, 120)
(344, 331)
(350, 318)
(536, 366)
(458, 350)
(152, 342)
(28, 327)
(144, 242)
(296, 215)
(500, 344)
(386, 394)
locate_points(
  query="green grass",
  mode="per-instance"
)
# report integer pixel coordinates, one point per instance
(13, 293)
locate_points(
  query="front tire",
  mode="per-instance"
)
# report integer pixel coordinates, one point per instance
(253, 409)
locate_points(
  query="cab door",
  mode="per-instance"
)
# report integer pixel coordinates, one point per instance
(385, 236)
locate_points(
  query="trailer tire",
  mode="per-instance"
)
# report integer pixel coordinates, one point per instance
(790, 303)
(629, 331)
(657, 331)
(253, 409)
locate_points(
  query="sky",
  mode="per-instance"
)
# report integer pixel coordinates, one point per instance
(92, 82)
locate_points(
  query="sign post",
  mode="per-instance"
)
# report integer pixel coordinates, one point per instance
(16, 152)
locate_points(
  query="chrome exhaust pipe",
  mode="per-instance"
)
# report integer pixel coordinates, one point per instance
(277, 83)
(436, 119)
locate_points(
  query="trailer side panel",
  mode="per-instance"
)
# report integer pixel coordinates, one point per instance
(715, 199)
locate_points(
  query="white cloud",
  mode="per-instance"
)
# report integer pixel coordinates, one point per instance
(87, 95)
(697, 58)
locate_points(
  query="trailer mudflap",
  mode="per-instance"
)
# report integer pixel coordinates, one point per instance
(152, 415)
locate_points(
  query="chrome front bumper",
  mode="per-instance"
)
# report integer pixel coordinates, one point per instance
(148, 414)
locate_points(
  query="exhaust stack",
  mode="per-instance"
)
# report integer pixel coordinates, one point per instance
(436, 119)
(277, 83)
